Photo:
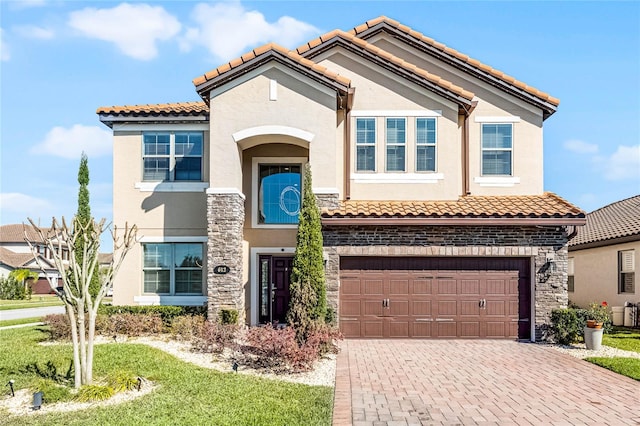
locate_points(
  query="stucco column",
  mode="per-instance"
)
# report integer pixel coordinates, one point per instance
(225, 222)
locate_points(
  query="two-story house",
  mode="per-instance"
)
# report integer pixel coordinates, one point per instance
(427, 165)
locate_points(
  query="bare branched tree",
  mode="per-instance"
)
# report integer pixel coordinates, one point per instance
(77, 275)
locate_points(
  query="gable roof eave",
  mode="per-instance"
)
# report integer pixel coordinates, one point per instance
(492, 76)
(263, 55)
(460, 96)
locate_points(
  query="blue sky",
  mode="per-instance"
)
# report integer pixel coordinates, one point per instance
(60, 60)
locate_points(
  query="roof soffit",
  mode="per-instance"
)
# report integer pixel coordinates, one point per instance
(463, 62)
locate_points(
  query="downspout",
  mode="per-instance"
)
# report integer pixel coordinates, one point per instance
(466, 185)
(347, 144)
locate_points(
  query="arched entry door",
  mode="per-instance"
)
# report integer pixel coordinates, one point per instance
(274, 279)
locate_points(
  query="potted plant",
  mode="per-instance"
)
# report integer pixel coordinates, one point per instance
(597, 317)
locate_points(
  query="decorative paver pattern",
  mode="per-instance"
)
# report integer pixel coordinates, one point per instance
(460, 382)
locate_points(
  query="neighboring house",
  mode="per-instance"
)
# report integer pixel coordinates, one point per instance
(427, 164)
(604, 255)
(15, 253)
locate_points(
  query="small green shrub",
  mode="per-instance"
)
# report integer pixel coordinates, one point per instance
(228, 316)
(121, 381)
(166, 313)
(130, 324)
(565, 326)
(52, 392)
(12, 289)
(330, 317)
(88, 393)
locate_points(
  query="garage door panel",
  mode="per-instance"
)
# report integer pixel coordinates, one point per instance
(447, 308)
(447, 287)
(350, 287)
(446, 329)
(373, 287)
(513, 308)
(421, 307)
(399, 287)
(469, 308)
(470, 287)
(496, 329)
(498, 287)
(496, 308)
(351, 308)
(398, 307)
(350, 328)
(421, 286)
(469, 328)
(372, 328)
(372, 307)
(421, 329)
(398, 329)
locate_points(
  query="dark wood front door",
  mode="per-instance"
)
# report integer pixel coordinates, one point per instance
(275, 275)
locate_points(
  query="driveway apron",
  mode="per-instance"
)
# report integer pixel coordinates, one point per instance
(469, 382)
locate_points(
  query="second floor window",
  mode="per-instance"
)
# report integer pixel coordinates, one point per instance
(172, 156)
(425, 144)
(396, 140)
(366, 144)
(497, 146)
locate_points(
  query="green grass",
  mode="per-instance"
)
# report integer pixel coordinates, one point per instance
(629, 367)
(186, 395)
(37, 301)
(6, 323)
(627, 339)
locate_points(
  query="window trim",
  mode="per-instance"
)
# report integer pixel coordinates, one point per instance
(434, 144)
(255, 174)
(172, 156)
(172, 269)
(482, 150)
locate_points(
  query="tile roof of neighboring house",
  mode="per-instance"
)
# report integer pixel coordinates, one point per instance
(388, 57)
(543, 206)
(264, 52)
(154, 110)
(14, 260)
(610, 224)
(360, 29)
(104, 258)
(15, 233)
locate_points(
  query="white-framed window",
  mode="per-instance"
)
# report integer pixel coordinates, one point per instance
(172, 156)
(425, 144)
(571, 275)
(626, 271)
(365, 144)
(497, 149)
(396, 140)
(173, 268)
(279, 193)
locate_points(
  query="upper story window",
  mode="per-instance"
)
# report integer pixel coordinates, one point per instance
(365, 144)
(425, 144)
(279, 193)
(172, 156)
(626, 271)
(396, 138)
(497, 149)
(173, 268)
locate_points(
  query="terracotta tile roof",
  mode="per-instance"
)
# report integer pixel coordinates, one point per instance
(14, 233)
(609, 223)
(362, 44)
(14, 260)
(265, 49)
(178, 108)
(454, 53)
(548, 205)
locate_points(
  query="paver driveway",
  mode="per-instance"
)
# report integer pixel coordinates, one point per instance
(433, 382)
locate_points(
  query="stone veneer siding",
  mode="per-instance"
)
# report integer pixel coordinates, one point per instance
(225, 222)
(538, 243)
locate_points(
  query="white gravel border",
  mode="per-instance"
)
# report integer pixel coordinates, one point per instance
(579, 350)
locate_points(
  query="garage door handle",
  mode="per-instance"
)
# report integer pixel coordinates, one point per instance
(385, 303)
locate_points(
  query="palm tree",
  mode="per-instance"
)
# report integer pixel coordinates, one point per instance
(24, 275)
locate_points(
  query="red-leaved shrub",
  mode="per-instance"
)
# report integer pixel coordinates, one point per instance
(213, 337)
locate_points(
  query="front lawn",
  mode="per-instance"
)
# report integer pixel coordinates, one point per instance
(6, 323)
(186, 395)
(629, 367)
(627, 339)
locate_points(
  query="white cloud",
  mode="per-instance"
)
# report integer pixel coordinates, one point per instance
(227, 30)
(69, 143)
(4, 48)
(581, 147)
(16, 202)
(32, 31)
(621, 165)
(134, 28)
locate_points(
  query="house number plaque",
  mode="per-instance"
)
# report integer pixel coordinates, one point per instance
(221, 269)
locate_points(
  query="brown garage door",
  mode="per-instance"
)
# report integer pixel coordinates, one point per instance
(434, 298)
